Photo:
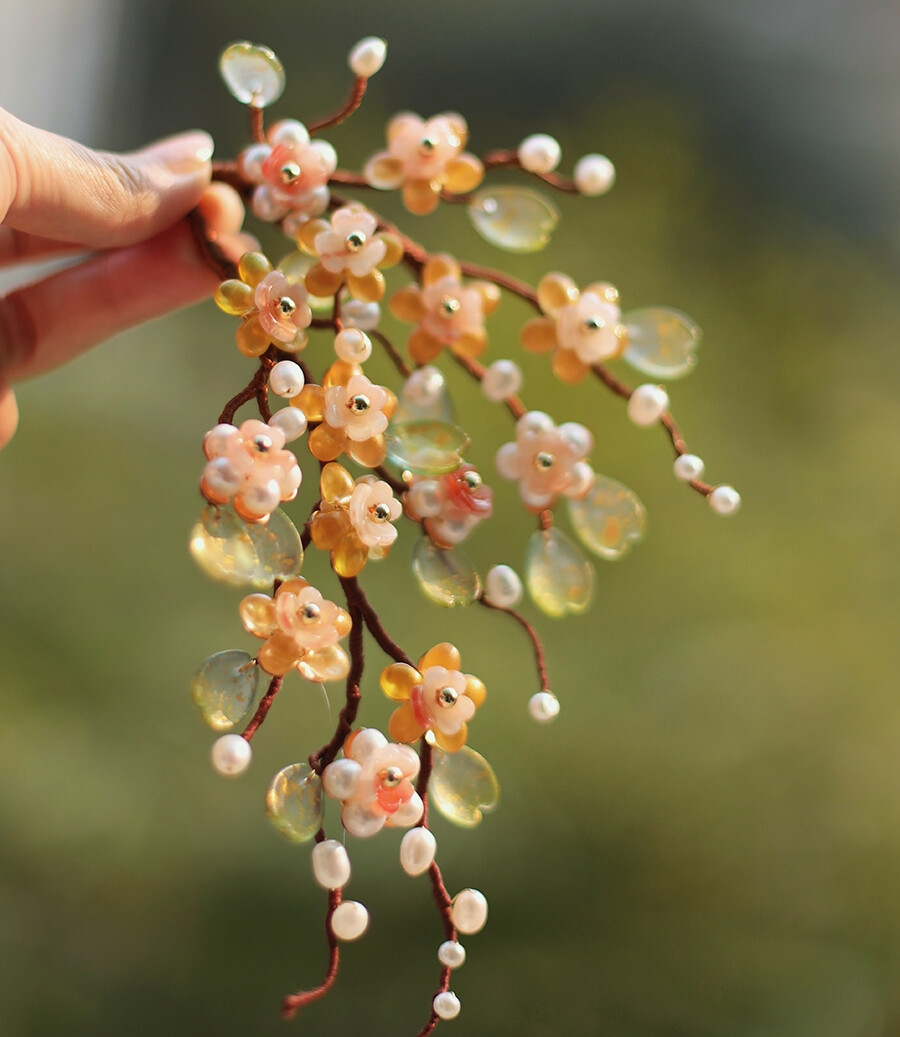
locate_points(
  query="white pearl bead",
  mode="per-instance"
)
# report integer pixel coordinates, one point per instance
(539, 153)
(231, 755)
(261, 498)
(446, 1005)
(289, 131)
(251, 159)
(534, 422)
(222, 478)
(341, 778)
(286, 379)
(725, 500)
(353, 345)
(424, 387)
(358, 314)
(543, 706)
(503, 586)
(688, 467)
(349, 920)
(452, 954)
(216, 441)
(594, 174)
(291, 421)
(503, 378)
(582, 479)
(647, 404)
(330, 864)
(468, 911)
(417, 850)
(367, 57)
(409, 813)
(424, 497)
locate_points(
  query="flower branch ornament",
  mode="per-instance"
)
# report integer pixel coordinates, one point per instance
(392, 475)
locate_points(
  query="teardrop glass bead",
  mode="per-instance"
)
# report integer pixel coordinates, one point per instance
(447, 578)
(661, 342)
(513, 218)
(609, 519)
(426, 447)
(223, 688)
(246, 554)
(463, 786)
(560, 579)
(294, 802)
(252, 74)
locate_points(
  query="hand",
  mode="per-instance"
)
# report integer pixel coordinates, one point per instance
(58, 198)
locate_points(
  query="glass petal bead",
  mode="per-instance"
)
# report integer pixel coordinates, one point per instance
(294, 802)
(609, 519)
(447, 578)
(559, 578)
(246, 554)
(513, 218)
(463, 786)
(325, 664)
(661, 342)
(426, 447)
(223, 688)
(252, 74)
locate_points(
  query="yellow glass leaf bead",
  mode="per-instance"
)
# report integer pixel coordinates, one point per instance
(292, 586)
(421, 196)
(398, 681)
(395, 250)
(325, 664)
(234, 297)
(406, 304)
(463, 174)
(257, 612)
(323, 282)
(349, 557)
(609, 519)
(311, 401)
(278, 654)
(403, 726)
(294, 802)
(326, 443)
(253, 267)
(309, 231)
(463, 786)
(369, 288)
(447, 578)
(223, 688)
(336, 483)
(560, 579)
(246, 554)
(660, 342)
(444, 654)
(475, 689)
(252, 341)
(538, 335)
(438, 267)
(568, 367)
(555, 291)
(513, 218)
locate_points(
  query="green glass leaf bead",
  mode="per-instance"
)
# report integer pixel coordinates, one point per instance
(223, 688)
(447, 578)
(559, 578)
(246, 554)
(609, 519)
(661, 342)
(294, 802)
(426, 447)
(463, 786)
(252, 74)
(513, 218)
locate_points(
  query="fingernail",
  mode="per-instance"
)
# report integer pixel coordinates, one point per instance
(185, 153)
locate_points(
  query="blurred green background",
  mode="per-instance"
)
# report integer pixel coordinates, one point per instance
(706, 843)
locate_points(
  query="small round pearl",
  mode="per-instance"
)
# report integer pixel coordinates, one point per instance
(539, 153)
(286, 379)
(446, 1005)
(503, 378)
(469, 911)
(367, 57)
(725, 500)
(221, 477)
(424, 387)
(424, 497)
(341, 778)
(594, 174)
(358, 314)
(291, 421)
(353, 345)
(349, 920)
(688, 467)
(452, 954)
(330, 864)
(647, 404)
(231, 755)
(543, 706)
(216, 441)
(503, 586)
(262, 498)
(417, 850)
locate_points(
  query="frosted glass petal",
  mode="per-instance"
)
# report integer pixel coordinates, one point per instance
(560, 579)
(246, 554)
(447, 578)
(463, 786)
(661, 343)
(608, 519)
(426, 447)
(223, 688)
(294, 802)
(252, 74)
(513, 218)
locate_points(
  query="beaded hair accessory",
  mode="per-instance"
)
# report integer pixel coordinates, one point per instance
(391, 458)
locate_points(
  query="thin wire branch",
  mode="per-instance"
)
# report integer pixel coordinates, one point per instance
(357, 92)
(265, 704)
(539, 658)
(291, 1004)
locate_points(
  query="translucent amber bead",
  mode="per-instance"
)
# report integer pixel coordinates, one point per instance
(336, 483)
(311, 401)
(556, 291)
(328, 528)
(538, 335)
(278, 655)
(253, 267)
(349, 557)
(420, 197)
(252, 341)
(234, 297)
(257, 612)
(325, 664)
(406, 304)
(463, 174)
(326, 443)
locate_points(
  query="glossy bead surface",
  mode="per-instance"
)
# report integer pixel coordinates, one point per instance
(688, 467)
(294, 802)
(246, 554)
(543, 706)
(231, 755)
(609, 519)
(503, 586)
(559, 578)
(349, 920)
(291, 421)
(417, 850)
(513, 218)
(367, 57)
(469, 910)
(252, 74)
(594, 174)
(452, 954)
(463, 786)
(223, 688)
(353, 346)
(647, 404)
(447, 578)
(503, 378)
(286, 379)
(426, 447)
(662, 343)
(539, 153)
(446, 1005)
(330, 864)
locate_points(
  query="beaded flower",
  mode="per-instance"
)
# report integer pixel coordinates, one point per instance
(249, 467)
(547, 460)
(354, 519)
(436, 697)
(582, 328)
(451, 506)
(352, 413)
(374, 782)
(447, 312)
(425, 158)
(301, 630)
(273, 308)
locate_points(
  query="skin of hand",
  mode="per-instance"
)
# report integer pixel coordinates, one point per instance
(59, 198)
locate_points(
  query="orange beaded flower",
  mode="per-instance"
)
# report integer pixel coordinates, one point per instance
(447, 312)
(424, 158)
(582, 328)
(436, 697)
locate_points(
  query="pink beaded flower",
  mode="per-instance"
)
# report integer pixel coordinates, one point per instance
(448, 313)
(582, 328)
(425, 157)
(374, 782)
(436, 697)
(249, 467)
(301, 630)
(451, 506)
(546, 460)
(353, 415)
